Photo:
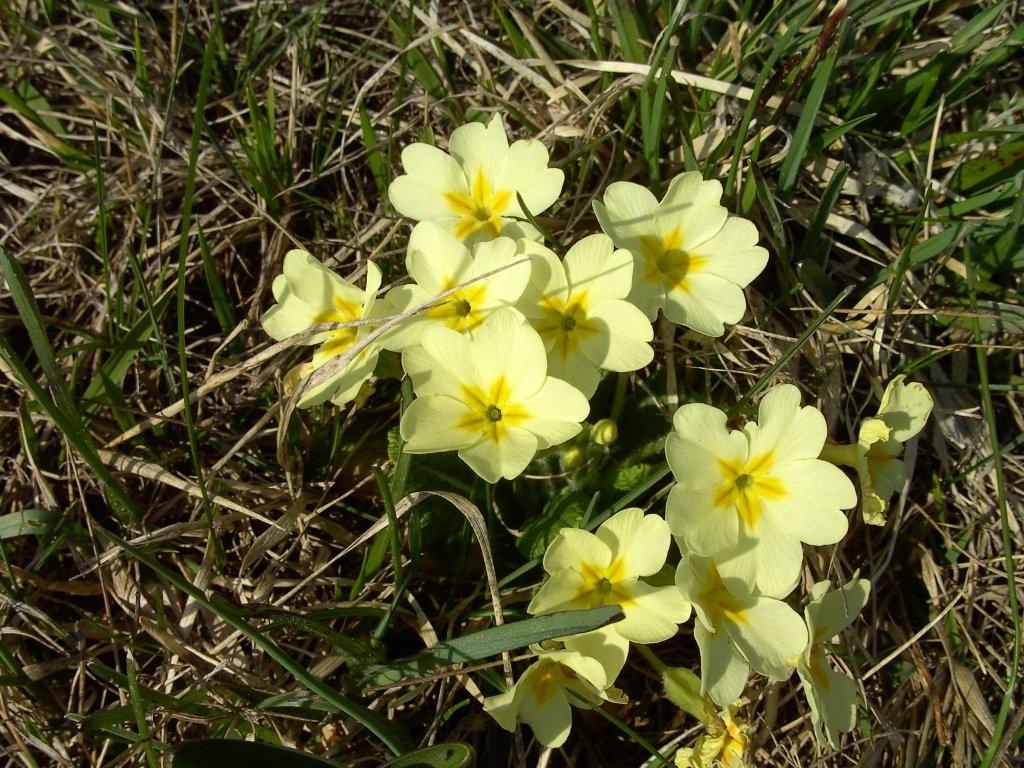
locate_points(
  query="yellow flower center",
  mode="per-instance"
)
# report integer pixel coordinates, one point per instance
(601, 584)
(480, 209)
(745, 486)
(491, 411)
(461, 312)
(666, 262)
(881, 452)
(817, 665)
(550, 677)
(339, 340)
(565, 322)
(735, 744)
(719, 603)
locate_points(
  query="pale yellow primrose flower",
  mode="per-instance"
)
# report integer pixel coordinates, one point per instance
(437, 262)
(608, 647)
(722, 744)
(747, 498)
(587, 570)
(489, 397)
(691, 259)
(308, 294)
(878, 454)
(832, 696)
(578, 307)
(736, 630)
(542, 696)
(472, 189)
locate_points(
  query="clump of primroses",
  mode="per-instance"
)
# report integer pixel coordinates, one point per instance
(505, 340)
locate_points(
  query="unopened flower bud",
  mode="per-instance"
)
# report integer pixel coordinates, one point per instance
(605, 432)
(572, 457)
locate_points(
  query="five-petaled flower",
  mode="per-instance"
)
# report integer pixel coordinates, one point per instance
(737, 629)
(578, 306)
(473, 190)
(747, 498)
(309, 294)
(691, 259)
(438, 262)
(542, 696)
(489, 397)
(586, 570)
(832, 696)
(877, 454)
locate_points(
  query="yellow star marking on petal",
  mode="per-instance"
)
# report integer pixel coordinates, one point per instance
(491, 412)
(735, 743)
(719, 601)
(666, 262)
(746, 486)
(817, 665)
(565, 321)
(881, 452)
(550, 678)
(602, 584)
(339, 340)
(461, 311)
(480, 209)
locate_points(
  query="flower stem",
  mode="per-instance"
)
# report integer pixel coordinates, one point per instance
(839, 453)
(651, 657)
(619, 401)
(668, 339)
(395, 535)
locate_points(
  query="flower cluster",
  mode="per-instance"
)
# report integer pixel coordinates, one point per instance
(505, 342)
(743, 503)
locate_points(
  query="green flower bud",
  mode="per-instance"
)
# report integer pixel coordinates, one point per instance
(605, 432)
(572, 457)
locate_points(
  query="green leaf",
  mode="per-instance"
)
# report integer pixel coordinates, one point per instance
(991, 317)
(798, 148)
(414, 59)
(27, 522)
(990, 169)
(682, 687)
(631, 476)
(120, 359)
(564, 510)
(218, 296)
(27, 102)
(219, 753)
(490, 642)
(374, 158)
(454, 755)
(813, 247)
